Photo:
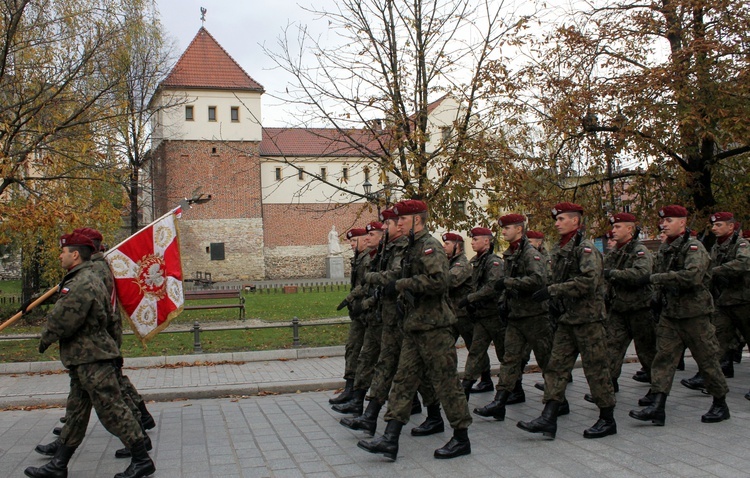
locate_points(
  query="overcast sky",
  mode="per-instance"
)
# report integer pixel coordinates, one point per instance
(240, 26)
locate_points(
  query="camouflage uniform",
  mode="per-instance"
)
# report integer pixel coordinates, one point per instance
(528, 322)
(730, 285)
(681, 276)
(428, 345)
(629, 314)
(368, 355)
(360, 263)
(79, 321)
(487, 270)
(460, 287)
(577, 291)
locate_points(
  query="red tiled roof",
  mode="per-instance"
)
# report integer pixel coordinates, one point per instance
(205, 64)
(318, 142)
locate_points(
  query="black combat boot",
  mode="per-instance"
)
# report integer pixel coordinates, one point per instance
(603, 427)
(147, 420)
(387, 444)
(747, 396)
(57, 431)
(354, 406)
(125, 452)
(466, 384)
(737, 353)
(345, 395)
(718, 412)
(564, 408)
(546, 424)
(141, 464)
(681, 362)
(727, 366)
(433, 424)
(695, 382)
(615, 385)
(457, 446)
(539, 386)
(65, 419)
(416, 405)
(646, 400)
(642, 376)
(368, 421)
(517, 395)
(588, 397)
(49, 449)
(56, 468)
(654, 413)
(496, 408)
(485, 383)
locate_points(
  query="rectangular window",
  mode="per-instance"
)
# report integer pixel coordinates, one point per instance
(217, 251)
(278, 174)
(301, 174)
(188, 113)
(323, 173)
(211, 113)
(235, 114)
(345, 174)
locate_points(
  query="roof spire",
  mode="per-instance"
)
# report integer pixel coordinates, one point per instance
(203, 16)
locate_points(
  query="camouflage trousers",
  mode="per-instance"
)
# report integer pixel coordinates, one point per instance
(521, 335)
(464, 328)
(487, 330)
(429, 356)
(729, 319)
(96, 385)
(590, 341)
(622, 327)
(353, 347)
(368, 356)
(696, 333)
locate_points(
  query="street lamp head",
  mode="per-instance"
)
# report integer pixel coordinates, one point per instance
(367, 186)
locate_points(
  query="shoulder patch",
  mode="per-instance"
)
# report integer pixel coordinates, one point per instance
(458, 264)
(640, 253)
(742, 244)
(495, 263)
(587, 250)
(693, 248)
(429, 251)
(64, 290)
(537, 258)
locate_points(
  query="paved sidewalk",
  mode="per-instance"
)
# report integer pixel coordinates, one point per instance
(298, 434)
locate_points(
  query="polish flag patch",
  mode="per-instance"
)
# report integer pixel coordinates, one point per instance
(64, 290)
(743, 244)
(537, 258)
(495, 263)
(693, 248)
(587, 250)
(641, 253)
(429, 251)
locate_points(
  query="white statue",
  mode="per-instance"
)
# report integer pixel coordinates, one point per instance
(334, 247)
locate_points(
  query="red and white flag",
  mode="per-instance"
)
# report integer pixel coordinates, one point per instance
(148, 276)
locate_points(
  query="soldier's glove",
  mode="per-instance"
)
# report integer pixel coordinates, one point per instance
(43, 346)
(389, 290)
(344, 303)
(541, 295)
(119, 363)
(720, 281)
(355, 309)
(464, 303)
(25, 306)
(607, 273)
(500, 285)
(645, 280)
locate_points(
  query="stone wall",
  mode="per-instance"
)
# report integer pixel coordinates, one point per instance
(10, 267)
(300, 262)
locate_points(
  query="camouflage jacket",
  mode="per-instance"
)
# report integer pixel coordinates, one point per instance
(730, 272)
(360, 290)
(425, 278)
(101, 269)
(526, 273)
(460, 286)
(682, 277)
(487, 270)
(79, 319)
(389, 269)
(577, 285)
(628, 265)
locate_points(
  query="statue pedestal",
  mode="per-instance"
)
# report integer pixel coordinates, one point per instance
(335, 267)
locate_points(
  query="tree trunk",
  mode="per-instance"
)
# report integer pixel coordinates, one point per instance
(133, 196)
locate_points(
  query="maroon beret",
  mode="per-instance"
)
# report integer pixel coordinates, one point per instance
(386, 214)
(356, 232)
(673, 211)
(534, 235)
(566, 207)
(92, 234)
(622, 217)
(374, 226)
(609, 234)
(452, 236)
(509, 219)
(480, 231)
(76, 239)
(721, 216)
(409, 207)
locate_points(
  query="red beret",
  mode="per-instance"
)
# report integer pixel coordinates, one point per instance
(566, 207)
(534, 235)
(92, 234)
(452, 236)
(409, 207)
(673, 211)
(387, 214)
(721, 216)
(76, 239)
(480, 231)
(609, 234)
(374, 226)
(622, 217)
(509, 219)
(356, 232)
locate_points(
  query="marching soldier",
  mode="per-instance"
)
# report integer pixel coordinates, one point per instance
(428, 350)
(576, 294)
(353, 302)
(79, 322)
(681, 276)
(482, 306)
(528, 323)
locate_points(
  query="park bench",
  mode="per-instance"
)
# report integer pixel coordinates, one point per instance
(216, 294)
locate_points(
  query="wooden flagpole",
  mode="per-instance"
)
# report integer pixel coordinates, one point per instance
(34, 304)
